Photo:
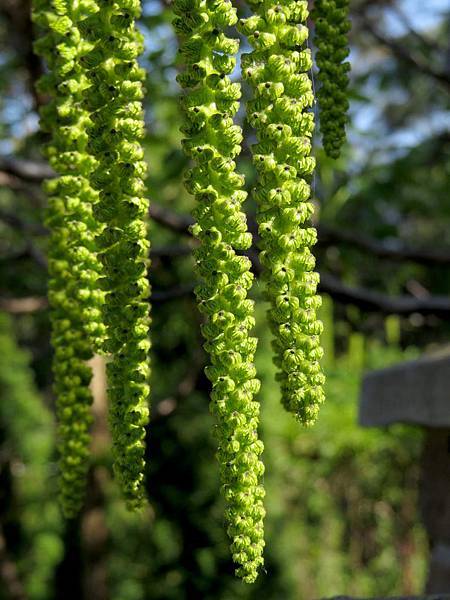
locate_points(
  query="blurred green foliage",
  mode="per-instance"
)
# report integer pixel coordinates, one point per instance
(28, 471)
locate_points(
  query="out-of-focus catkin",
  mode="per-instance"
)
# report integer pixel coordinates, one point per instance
(74, 294)
(331, 38)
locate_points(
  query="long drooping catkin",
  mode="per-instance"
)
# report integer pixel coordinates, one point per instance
(331, 38)
(114, 101)
(74, 294)
(212, 141)
(277, 70)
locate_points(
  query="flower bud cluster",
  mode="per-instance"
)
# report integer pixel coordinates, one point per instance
(276, 70)
(113, 97)
(212, 142)
(74, 293)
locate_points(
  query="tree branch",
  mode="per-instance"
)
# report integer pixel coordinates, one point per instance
(372, 301)
(19, 224)
(368, 300)
(19, 185)
(27, 230)
(174, 293)
(29, 170)
(170, 219)
(170, 251)
(330, 236)
(404, 55)
(424, 41)
(23, 305)
(37, 171)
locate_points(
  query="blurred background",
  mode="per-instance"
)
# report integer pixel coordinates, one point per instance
(341, 500)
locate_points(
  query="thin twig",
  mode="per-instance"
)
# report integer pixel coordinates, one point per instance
(328, 236)
(368, 300)
(171, 220)
(23, 305)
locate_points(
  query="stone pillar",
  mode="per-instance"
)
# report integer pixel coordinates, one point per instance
(418, 393)
(435, 506)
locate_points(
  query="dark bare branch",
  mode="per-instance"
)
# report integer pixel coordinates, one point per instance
(180, 223)
(407, 56)
(170, 251)
(426, 42)
(19, 224)
(372, 301)
(398, 252)
(174, 293)
(368, 300)
(29, 170)
(170, 219)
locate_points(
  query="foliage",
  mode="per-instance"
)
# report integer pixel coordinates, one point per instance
(27, 436)
(351, 518)
(331, 480)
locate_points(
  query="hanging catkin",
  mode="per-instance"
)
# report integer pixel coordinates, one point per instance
(331, 38)
(114, 102)
(277, 70)
(75, 299)
(212, 142)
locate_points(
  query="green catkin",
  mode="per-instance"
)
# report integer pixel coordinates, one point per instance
(212, 142)
(114, 100)
(74, 297)
(276, 70)
(331, 38)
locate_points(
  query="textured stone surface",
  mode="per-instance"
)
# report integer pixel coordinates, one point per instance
(435, 507)
(418, 392)
(413, 392)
